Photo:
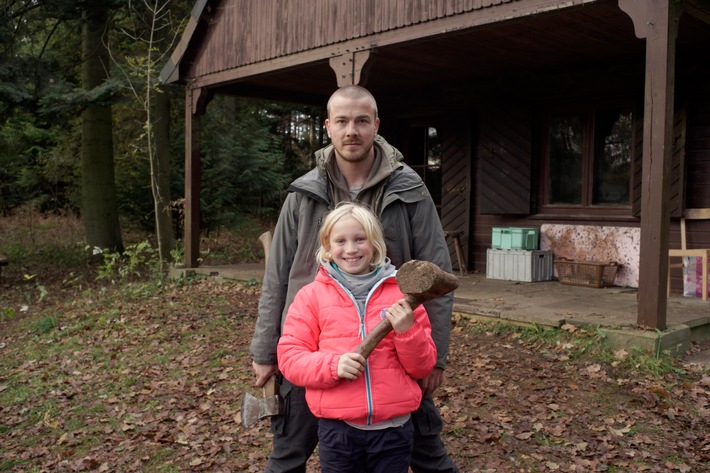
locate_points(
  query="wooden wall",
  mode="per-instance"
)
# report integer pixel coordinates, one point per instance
(507, 130)
(244, 32)
(456, 192)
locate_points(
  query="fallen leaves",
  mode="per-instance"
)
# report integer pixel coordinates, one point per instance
(143, 383)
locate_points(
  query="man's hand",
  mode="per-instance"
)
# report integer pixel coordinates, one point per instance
(432, 382)
(263, 372)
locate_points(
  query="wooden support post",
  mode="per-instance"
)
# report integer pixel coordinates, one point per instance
(195, 104)
(657, 22)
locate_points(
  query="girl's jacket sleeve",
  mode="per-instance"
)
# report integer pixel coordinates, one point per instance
(298, 356)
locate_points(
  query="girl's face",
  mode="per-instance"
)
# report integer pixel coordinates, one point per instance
(351, 249)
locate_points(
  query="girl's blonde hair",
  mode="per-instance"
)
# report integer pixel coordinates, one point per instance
(370, 223)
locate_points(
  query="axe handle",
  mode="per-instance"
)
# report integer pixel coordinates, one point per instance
(377, 334)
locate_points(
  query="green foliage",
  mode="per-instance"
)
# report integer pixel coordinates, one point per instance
(251, 150)
(242, 162)
(656, 365)
(137, 260)
(45, 325)
(40, 51)
(7, 313)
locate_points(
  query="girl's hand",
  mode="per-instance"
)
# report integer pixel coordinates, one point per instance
(401, 316)
(351, 366)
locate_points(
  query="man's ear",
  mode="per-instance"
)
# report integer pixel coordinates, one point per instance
(327, 127)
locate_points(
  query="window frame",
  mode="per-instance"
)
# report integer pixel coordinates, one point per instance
(586, 209)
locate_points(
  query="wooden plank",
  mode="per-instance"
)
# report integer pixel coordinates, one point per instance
(456, 209)
(505, 154)
(252, 61)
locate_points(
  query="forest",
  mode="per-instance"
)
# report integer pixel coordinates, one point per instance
(88, 130)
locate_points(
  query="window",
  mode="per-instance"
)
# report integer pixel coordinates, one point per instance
(424, 156)
(588, 160)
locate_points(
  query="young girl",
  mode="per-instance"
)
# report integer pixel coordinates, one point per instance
(363, 405)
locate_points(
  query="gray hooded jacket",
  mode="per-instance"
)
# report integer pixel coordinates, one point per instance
(412, 231)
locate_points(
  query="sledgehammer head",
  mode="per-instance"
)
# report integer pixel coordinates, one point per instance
(419, 281)
(422, 281)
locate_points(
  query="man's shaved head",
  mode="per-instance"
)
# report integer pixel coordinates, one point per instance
(354, 92)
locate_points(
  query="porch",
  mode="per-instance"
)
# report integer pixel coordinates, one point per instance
(550, 304)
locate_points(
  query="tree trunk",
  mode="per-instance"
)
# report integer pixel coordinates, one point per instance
(161, 179)
(99, 208)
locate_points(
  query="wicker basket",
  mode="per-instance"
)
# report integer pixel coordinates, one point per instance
(586, 273)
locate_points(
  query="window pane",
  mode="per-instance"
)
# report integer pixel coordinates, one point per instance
(565, 168)
(612, 157)
(433, 183)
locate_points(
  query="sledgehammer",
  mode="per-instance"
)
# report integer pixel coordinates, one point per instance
(420, 282)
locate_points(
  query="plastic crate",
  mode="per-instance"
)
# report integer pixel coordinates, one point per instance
(514, 238)
(586, 273)
(519, 265)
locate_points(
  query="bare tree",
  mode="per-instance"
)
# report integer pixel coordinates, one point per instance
(153, 28)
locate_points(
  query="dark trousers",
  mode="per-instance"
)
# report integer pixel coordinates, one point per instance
(296, 436)
(346, 449)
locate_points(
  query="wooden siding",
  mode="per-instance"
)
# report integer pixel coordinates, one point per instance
(244, 32)
(456, 191)
(697, 171)
(697, 193)
(677, 165)
(505, 160)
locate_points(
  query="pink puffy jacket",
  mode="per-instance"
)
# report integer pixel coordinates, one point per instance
(323, 323)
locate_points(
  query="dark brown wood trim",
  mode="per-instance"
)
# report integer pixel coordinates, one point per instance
(657, 21)
(191, 244)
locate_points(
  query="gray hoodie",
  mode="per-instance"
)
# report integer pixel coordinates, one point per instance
(412, 231)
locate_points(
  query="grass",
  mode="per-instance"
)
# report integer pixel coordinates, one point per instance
(588, 342)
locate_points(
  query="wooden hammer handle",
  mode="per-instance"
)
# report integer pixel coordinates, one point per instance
(377, 334)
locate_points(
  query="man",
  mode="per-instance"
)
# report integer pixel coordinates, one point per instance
(358, 165)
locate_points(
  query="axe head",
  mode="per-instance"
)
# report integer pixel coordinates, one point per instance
(256, 408)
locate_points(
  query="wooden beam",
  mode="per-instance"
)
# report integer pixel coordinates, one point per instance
(700, 9)
(195, 104)
(170, 72)
(657, 22)
(349, 67)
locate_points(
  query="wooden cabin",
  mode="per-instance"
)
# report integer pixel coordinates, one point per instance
(589, 119)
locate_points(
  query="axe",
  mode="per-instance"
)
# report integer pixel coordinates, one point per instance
(255, 408)
(420, 282)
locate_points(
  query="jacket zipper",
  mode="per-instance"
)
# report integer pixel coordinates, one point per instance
(363, 334)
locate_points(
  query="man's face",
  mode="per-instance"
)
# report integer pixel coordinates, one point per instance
(352, 127)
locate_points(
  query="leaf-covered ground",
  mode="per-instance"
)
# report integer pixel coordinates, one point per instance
(149, 378)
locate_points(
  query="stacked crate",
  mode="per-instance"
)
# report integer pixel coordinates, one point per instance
(514, 255)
